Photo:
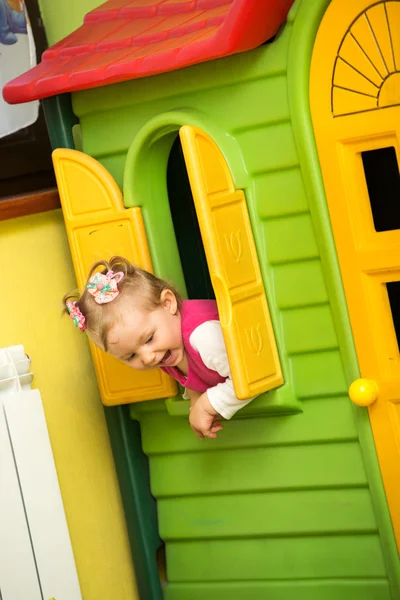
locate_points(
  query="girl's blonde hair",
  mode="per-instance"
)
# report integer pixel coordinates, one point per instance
(136, 283)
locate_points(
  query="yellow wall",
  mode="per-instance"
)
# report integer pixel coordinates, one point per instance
(37, 271)
(36, 264)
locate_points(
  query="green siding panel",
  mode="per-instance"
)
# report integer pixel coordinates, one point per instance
(225, 101)
(299, 284)
(279, 193)
(267, 514)
(290, 239)
(275, 148)
(326, 465)
(323, 420)
(116, 131)
(318, 374)
(115, 164)
(276, 558)
(309, 329)
(367, 589)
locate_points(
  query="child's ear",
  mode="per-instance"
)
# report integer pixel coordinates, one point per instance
(169, 301)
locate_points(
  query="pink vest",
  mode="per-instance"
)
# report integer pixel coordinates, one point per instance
(200, 378)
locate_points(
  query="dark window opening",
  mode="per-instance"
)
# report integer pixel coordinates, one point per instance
(393, 289)
(383, 182)
(186, 226)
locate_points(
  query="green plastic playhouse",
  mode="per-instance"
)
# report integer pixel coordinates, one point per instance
(289, 502)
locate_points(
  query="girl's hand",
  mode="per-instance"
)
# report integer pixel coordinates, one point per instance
(203, 418)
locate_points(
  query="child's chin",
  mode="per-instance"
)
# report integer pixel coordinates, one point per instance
(175, 363)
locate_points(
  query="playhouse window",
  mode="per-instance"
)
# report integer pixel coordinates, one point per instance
(207, 208)
(383, 182)
(186, 227)
(393, 289)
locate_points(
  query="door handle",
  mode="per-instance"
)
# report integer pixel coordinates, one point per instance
(363, 392)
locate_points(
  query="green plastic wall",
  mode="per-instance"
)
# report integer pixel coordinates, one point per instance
(280, 507)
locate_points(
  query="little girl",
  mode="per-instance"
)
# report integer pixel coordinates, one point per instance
(143, 321)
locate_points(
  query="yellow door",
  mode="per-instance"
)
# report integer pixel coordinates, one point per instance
(233, 264)
(98, 227)
(355, 107)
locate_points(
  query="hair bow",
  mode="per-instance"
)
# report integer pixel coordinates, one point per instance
(104, 286)
(76, 315)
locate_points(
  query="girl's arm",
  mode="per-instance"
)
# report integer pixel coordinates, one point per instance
(193, 396)
(208, 340)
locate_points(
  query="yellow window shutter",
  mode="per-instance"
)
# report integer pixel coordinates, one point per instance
(234, 268)
(98, 227)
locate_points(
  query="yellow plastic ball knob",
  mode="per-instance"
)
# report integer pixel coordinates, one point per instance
(363, 392)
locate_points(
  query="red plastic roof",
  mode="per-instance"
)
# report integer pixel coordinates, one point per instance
(128, 39)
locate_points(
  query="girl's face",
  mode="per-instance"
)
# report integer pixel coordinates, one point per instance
(146, 339)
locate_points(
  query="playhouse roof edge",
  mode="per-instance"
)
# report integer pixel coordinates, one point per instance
(130, 39)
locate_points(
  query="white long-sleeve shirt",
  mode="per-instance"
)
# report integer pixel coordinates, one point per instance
(208, 341)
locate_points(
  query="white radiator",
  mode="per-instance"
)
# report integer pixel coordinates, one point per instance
(36, 559)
